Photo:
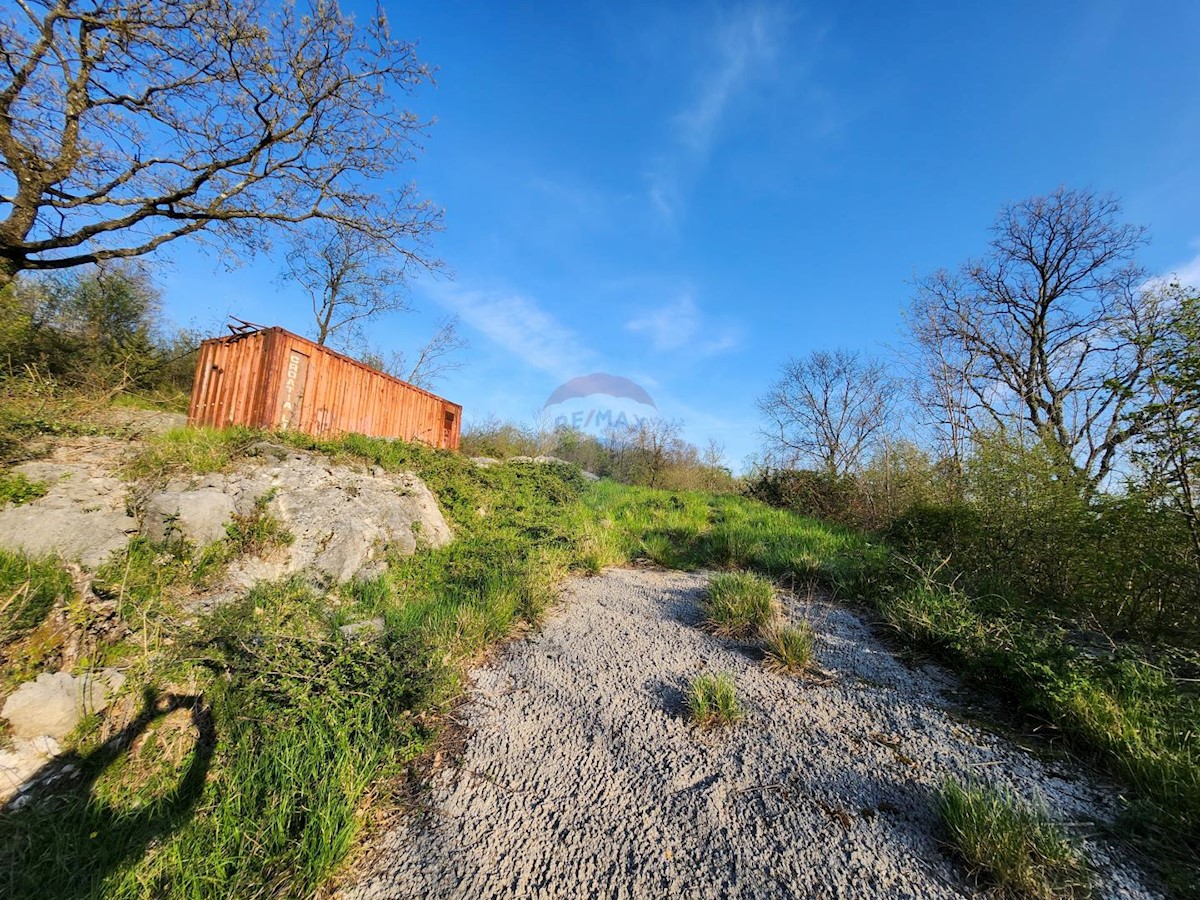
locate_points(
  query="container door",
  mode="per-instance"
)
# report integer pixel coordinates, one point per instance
(447, 428)
(292, 396)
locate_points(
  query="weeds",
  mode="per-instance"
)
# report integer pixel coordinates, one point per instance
(789, 648)
(712, 701)
(738, 604)
(304, 723)
(16, 489)
(29, 589)
(256, 532)
(1010, 844)
(197, 451)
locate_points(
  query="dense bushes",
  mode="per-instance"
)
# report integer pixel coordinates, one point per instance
(1022, 524)
(99, 329)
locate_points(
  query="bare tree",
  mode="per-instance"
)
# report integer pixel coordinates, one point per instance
(347, 277)
(642, 453)
(827, 408)
(435, 358)
(1046, 332)
(431, 362)
(126, 124)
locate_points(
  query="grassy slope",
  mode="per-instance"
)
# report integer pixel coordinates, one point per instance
(288, 727)
(299, 727)
(1117, 711)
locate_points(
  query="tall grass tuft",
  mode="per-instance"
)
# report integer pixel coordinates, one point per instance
(789, 648)
(1011, 845)
(738, 604)
(712, 701)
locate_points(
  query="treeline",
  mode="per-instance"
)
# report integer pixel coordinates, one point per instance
(95, 329)
(1049, 398)
(652, 453)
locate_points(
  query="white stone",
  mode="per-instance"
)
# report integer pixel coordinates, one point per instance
(53, 704)
(198, 516)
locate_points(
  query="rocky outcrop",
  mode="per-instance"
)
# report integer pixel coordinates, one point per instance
(53, 704)
(343, 522)
(84, 514)
(199, 516)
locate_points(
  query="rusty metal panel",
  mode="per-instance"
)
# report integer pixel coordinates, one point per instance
(274, 379)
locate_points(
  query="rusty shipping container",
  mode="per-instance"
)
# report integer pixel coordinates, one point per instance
(273, 379)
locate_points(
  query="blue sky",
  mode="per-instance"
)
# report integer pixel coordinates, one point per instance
(685, 194)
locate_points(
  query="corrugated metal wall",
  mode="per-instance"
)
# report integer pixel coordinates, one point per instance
(274, 379)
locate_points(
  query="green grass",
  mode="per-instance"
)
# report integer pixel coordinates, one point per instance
(196, 451)
(1121, 711)
(1011, 846)
(738, 604)
(691, 530)
(712, 701)
(303, 733)
(305, 727)
(16, 489)
(256, 532)
(789, 648)
(29, 589)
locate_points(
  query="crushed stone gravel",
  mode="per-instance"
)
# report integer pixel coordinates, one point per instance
(583, 778)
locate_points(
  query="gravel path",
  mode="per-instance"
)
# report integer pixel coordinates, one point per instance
(582, 777)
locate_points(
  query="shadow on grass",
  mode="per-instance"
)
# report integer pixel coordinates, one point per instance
(66, 839)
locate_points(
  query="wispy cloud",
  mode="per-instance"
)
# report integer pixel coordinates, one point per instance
(519, 325)
(1188, 273)
(679, 324)
(668, 327)
(747, 47)
(743, 48)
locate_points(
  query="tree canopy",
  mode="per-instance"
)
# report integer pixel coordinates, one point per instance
(127, 124)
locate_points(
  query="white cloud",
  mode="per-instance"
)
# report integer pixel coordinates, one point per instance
(520, 326)
(1188, 273)
(668, 327)
(746, 47)
(1185, 273)
(681, 324)
(743, 48)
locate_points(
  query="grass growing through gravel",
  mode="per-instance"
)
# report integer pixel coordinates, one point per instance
(1010, 845)
(712, 701)
(738, 604)
(789, 648)
(1139, 717)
